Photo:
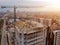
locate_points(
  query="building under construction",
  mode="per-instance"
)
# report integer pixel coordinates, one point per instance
(25, 33)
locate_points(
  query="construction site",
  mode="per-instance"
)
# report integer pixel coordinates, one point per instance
(29, 28)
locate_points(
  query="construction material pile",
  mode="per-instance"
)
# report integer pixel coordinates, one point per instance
(28, 25)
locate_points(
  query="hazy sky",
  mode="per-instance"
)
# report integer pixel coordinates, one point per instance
(22, 2)
(48, 5)
(28, 2)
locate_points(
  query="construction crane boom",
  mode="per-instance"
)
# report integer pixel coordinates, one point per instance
(21, 6)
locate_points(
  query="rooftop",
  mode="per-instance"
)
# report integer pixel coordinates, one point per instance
(29, 26)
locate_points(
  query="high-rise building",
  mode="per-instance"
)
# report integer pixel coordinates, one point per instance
(17, 36)
(57, 37)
